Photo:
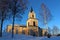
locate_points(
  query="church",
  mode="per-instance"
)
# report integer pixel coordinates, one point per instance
(31, 27)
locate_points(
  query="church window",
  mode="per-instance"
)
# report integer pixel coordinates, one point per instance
(34, 23)
(23, 32)
(33, 16)
(16, 31)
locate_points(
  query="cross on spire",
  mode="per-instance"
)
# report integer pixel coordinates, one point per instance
(31, 9)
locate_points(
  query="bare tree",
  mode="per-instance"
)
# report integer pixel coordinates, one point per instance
(3, 13)
(55, 30)
(49, 30)
(44, 15)
(17, 8)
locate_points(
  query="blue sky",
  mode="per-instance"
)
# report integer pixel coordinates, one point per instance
(53, 5)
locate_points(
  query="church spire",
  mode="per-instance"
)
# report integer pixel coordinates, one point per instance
(31, 13)
(31, 9)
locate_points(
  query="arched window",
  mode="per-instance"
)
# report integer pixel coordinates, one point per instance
(16, 31)
(33, 16)
(34, 23)
(23, 31)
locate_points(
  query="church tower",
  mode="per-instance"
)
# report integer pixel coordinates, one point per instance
(32, 22)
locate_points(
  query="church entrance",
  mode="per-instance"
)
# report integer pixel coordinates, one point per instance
(31, 32)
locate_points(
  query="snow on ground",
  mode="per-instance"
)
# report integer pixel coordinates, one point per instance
(7, 36)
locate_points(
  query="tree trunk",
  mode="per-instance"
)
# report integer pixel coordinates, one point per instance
(2, 19)
(13, 26)
(1, 28)
(46, 29)
(14, 13)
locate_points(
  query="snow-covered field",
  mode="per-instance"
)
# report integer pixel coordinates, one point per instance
(7, 36)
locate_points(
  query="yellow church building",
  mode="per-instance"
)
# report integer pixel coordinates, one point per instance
(31, 27)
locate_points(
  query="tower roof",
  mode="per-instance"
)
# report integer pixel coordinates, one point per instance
(31, 9)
